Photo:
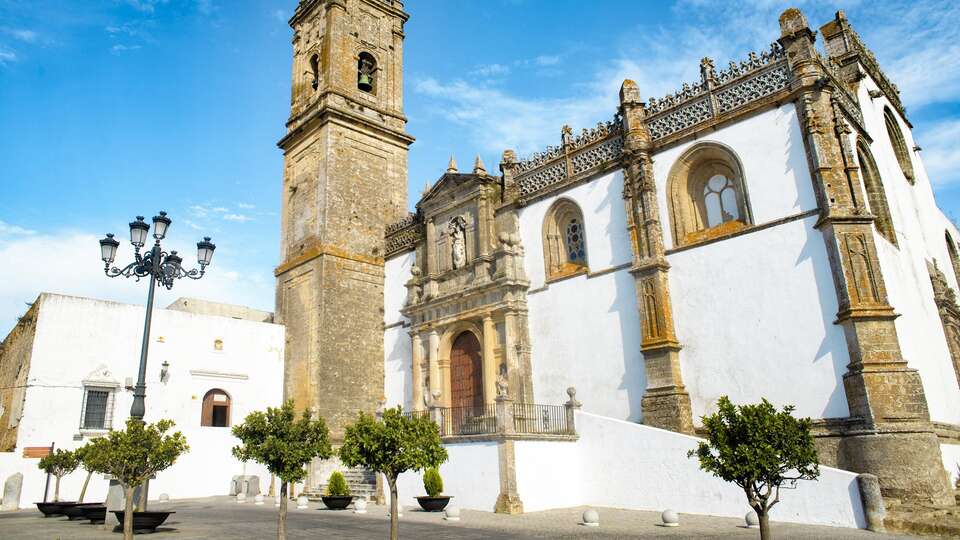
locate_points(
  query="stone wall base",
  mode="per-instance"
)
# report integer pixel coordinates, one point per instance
(907, 464)
(668, 409)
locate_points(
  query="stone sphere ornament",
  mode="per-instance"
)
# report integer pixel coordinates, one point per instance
(241, 498)
(590, 518)
(360, 506)
(451, 513)
(164, 497)
(258, 499)
(670, 518)
(751, 520)
(302, 502)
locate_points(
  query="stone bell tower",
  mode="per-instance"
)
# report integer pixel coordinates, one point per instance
(344, 180)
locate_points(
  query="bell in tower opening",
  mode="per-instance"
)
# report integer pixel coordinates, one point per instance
(366, 72)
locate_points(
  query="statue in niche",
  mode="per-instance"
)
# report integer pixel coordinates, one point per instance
(458, 247)
(503, 388)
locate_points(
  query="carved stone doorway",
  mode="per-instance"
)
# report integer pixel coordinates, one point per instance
(466, 379)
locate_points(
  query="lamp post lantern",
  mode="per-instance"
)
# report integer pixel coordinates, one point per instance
(163, 268)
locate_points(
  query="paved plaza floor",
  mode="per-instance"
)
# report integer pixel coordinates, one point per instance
(222, 517)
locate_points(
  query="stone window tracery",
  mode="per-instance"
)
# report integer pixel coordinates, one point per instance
(707, 195)
(952, 252)
(876, 196)
(564, 240)
(899, 144)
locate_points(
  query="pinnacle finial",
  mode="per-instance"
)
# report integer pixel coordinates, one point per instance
(478, 167)
(452, 166)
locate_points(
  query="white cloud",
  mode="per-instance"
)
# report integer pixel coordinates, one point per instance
(8, 230)
(7, 57)
(490, 70)
(119, 48)
(941, 153)
(223, 282)
(246, 206)
(219, 209)
(21, 34)
(205, 7)
(547, 60)
(145, 6)
(239, 218)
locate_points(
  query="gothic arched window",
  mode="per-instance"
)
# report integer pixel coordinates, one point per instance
(952, 252)
(707, 194)
(564, 240)
(216, 409)
(367, 73)
(876, 196)
(899, 144)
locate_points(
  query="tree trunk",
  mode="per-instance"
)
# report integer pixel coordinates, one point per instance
(282, 517)
(83, 490)
(394, 521)
(128, 512)
(764, 518)
(142, 501)
(56, 490)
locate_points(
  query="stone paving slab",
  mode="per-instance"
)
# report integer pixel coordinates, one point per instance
(222, 517)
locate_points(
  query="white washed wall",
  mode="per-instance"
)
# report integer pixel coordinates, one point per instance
(755, 316)
(75, 336)
(584, 331)
(951, 461)
(775, 170)
(471, 476)
(920, 228)
(397, 354)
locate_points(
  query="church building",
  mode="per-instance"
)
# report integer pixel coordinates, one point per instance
(767, 231)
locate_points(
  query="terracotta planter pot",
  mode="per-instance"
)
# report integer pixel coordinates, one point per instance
(336, 502)
(144, 521)
(434, 504)
(96, 513)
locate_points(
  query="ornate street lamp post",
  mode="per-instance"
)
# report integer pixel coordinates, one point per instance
(163, 269)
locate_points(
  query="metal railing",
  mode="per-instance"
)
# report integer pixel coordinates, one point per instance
(542, 419)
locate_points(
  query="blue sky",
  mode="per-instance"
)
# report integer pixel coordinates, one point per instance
(112, 108)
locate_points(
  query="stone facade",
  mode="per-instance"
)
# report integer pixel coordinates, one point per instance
(15, 353)
(345, 179)
(344, 213)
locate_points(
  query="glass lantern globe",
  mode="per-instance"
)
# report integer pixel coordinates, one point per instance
(205, 251)
(138, 232)
(160, 225)
(108, 248)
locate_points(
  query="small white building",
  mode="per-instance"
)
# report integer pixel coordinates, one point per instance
(68, 368)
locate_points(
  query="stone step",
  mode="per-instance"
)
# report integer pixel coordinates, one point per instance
(362, 483)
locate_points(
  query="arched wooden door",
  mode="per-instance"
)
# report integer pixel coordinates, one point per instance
(466, 372)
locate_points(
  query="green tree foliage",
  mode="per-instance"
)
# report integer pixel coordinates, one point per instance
(759, 449)
(392, 445)
(432, 482)
(59, 463)
(337, 485)
(133, 455)
(284, 445)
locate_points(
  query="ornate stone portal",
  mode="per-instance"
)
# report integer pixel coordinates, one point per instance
(468, 278)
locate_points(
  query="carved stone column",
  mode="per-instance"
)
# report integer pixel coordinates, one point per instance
(666, 403)
(946, 300)
(433, 350)
(891, 435)
(417, 379)
(508, 501)
(489, 362)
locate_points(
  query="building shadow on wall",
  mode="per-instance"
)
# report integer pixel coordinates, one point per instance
(833, 344)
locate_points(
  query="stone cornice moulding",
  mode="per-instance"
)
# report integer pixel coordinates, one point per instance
(209, 374)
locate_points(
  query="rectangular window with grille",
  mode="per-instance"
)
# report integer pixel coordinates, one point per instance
(97, 408)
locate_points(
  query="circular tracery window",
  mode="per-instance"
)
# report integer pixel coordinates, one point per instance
(574, 232)
(720, 200)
